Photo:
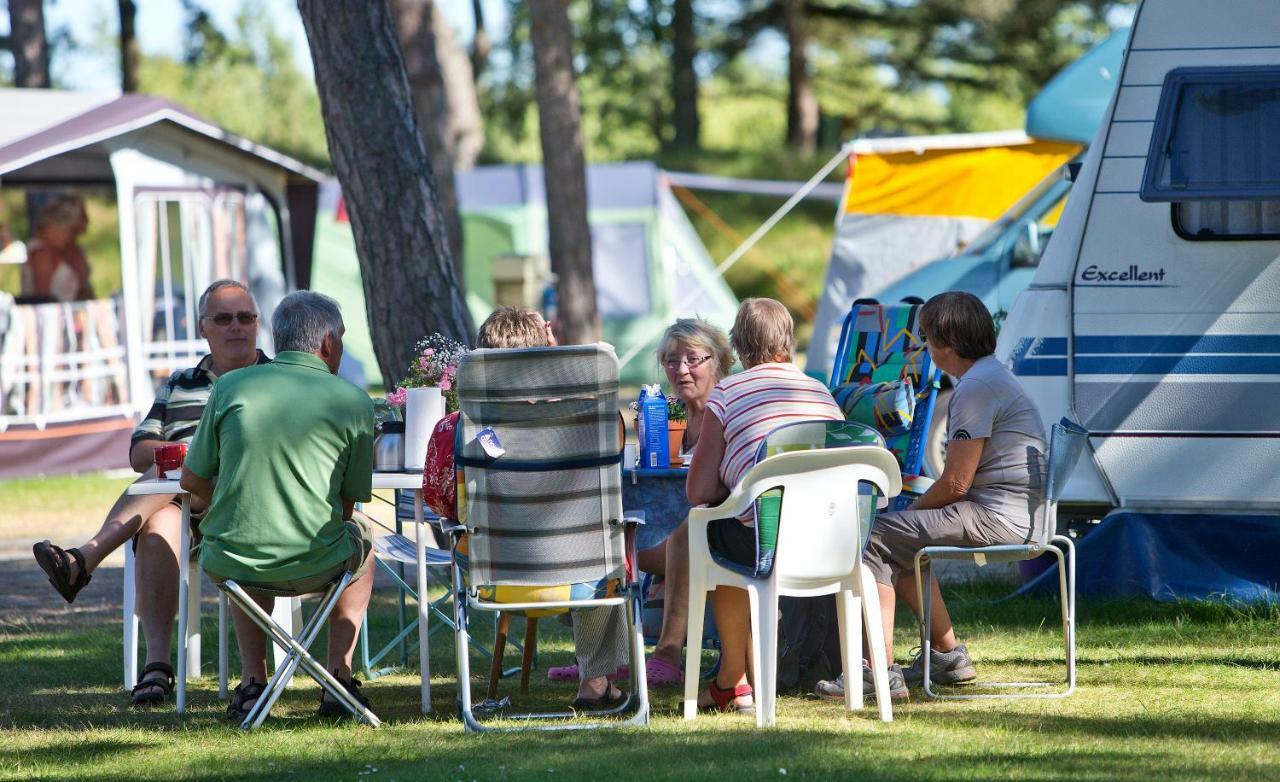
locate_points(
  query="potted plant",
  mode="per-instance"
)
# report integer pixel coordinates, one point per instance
(427, 393)
(677, 422)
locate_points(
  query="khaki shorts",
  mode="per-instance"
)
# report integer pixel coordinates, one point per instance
(361, 536)
(896, 537)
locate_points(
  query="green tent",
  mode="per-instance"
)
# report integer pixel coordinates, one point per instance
(649, 264)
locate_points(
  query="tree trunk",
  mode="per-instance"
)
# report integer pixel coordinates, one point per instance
(802, 106)
(684, 86)
(417, 27)
(481, 44)
(564, 170)
(387, 181)
(128, 47)
(29, 45)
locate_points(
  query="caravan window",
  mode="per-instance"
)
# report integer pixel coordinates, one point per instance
(1212, 152)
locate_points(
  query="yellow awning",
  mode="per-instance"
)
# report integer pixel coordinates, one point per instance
(981, 183)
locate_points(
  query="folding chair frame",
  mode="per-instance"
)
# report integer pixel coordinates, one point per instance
(1058, 546)
(637, 700)
(297, 654)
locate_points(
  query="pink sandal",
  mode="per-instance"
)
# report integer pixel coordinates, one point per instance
(661, 673)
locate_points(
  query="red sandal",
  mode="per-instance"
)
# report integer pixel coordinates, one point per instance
(726, 699)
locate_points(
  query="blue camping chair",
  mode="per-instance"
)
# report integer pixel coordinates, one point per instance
(883, 377)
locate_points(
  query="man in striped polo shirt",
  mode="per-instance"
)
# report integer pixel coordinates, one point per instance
(229, 323)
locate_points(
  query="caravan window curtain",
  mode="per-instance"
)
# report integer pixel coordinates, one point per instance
(1214, 137)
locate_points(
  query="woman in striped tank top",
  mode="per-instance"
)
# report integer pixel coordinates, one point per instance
(744, 408)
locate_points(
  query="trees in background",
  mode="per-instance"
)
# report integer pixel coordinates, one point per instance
(29, 44)
(685, 121)
(444, 97)
(564, 170)
(387, 180)
(129, 53)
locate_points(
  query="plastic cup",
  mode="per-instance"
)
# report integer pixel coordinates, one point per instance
(169, 460)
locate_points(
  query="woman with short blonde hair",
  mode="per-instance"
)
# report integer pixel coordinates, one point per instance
(763, 332)
(741, 411)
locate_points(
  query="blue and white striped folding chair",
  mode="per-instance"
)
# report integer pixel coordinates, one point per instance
(538, 449)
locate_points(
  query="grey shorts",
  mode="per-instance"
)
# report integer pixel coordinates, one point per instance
(361, 536)
(896, 537)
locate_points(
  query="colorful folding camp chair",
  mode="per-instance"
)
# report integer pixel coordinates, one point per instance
(883, 376)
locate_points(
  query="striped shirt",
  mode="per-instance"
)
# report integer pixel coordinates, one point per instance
(753, 403)
(179, 403)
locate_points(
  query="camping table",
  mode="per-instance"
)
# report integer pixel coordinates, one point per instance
(660, 494)
(381, 480)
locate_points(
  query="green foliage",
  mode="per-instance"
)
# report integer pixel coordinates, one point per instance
(245, 81)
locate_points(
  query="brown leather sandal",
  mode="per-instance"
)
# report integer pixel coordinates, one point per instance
(149, 692)
(244, 698)
(55, 562)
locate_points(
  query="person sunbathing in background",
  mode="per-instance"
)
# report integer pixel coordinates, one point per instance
(56, 267)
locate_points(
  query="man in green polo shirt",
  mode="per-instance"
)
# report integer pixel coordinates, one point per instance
(282, 454)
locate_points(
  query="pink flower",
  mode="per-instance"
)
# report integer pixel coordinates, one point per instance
(429, 352)
(398, 397)
(424, 363)
(445, 385)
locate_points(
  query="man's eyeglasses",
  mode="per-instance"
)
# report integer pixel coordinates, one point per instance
(224, 318)
(691, 361)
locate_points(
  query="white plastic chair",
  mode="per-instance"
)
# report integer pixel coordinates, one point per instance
(1066, 442)
(819, 552)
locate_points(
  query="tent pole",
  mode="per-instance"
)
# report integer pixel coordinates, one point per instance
(750, 242)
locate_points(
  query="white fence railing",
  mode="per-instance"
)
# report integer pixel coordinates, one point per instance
(62, 361)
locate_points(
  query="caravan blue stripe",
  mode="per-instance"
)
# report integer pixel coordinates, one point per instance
(1173, 354)
(1172, 343)
(1177, 365)
(1040, 367)
(1252, 344)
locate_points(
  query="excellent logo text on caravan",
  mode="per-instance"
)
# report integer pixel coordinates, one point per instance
(1131, 274)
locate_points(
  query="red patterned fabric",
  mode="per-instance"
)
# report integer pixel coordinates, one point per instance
(438, 490)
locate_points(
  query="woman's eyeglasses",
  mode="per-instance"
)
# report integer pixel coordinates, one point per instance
(691, 361)
(225, 318)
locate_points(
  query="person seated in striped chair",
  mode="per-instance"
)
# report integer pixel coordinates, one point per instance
(599, 633)
(229, 323)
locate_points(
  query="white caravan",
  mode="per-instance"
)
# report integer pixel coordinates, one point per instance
(1154, 318)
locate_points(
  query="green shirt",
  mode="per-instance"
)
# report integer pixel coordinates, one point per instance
(288, 442)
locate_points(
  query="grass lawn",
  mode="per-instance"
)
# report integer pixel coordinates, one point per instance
(1188, 691)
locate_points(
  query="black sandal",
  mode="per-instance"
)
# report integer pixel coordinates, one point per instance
(604, 702)
(243, 698)
(149, 692)
(54, 561)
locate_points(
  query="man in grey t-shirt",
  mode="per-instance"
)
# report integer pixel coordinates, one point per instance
(988, 494)
(989, 403)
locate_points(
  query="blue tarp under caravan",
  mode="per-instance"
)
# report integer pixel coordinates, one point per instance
(1176, 556)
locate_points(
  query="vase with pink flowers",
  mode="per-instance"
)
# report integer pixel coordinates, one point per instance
(427, 393)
